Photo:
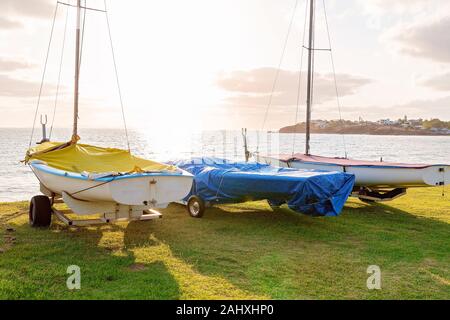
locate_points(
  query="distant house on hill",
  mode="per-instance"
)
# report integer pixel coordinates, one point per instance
(440, 130)
(386, 122)
(320, 123)
(416, 123)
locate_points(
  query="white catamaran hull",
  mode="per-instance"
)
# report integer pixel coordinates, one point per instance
(377, 176)
(153, 189)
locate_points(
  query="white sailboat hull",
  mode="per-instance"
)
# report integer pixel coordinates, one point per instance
(153, 189)
(379, 176)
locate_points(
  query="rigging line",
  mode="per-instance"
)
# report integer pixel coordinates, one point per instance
(279, 65)
(43, 76)
(94, 186)
(334, 75)
(317, 49)
(313, 56)
(311, 65)
(82, 38)
(81, 45)
(82, 7)
(309, 87)
(117, 78)
(59, 74)
(300, 78)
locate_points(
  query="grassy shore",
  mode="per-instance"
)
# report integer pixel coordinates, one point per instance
(237, 251)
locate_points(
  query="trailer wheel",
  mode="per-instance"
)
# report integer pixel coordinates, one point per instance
(40, 213)
(196, 207)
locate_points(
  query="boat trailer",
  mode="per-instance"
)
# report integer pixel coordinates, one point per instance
(367, 194)
(43, 206)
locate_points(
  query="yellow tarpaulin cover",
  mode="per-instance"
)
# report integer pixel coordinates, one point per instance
(75, 157)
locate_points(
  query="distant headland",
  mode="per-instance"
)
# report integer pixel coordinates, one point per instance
(405, 126)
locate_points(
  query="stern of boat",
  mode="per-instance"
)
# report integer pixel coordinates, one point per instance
(157, 190)
(437, 175)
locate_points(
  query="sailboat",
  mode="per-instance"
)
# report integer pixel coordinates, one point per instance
(91, 179)
(375, 180)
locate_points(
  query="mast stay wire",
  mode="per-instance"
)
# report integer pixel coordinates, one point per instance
(334, 75)
(300, 79)
(82, 35)
(117, 77)
(60, 68)
(61, 60)
(279, 65)
(311, 99)
(43, 75)
(83, 26)
(59, 74)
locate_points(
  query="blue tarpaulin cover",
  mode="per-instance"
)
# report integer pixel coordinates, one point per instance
(312, 192)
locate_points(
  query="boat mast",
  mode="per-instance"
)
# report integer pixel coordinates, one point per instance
(77, 74)
(309, 94)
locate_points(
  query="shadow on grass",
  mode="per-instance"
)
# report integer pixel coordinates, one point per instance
(130, 277)
(34, 266)
(278, 254)
(284, 254)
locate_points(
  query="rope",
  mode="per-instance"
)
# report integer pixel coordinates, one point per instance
(14, 215)
(279, 65)
(95, 186)
(334, 75)
(300, 79)
(43, 76)
(59, 74)
(220, 184)
(117, 78)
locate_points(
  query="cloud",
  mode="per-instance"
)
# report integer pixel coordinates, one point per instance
(6, 23)
(439, 82)
(35, 8)
(10, 87)
(41, 9)
(13, 65)
(380, 12)
(418, 108)
(435, 108)
(398, 6)
(252, 88)
(429, 40)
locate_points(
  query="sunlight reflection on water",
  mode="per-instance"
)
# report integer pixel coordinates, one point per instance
(18, 183)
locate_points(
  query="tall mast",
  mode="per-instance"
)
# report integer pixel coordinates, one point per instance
(309, 94)
(77, 74)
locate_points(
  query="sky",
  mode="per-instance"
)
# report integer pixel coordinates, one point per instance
(207, 64)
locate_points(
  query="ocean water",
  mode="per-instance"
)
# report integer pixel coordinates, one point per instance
(17, 182)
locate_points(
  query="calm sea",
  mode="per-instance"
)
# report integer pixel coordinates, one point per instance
(17, 182)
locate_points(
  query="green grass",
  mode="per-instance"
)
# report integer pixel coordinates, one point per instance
(237, 251)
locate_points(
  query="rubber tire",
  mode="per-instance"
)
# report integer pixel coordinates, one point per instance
(201, 207)
(40, 212)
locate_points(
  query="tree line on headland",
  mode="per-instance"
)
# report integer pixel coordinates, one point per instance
(403, 126)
